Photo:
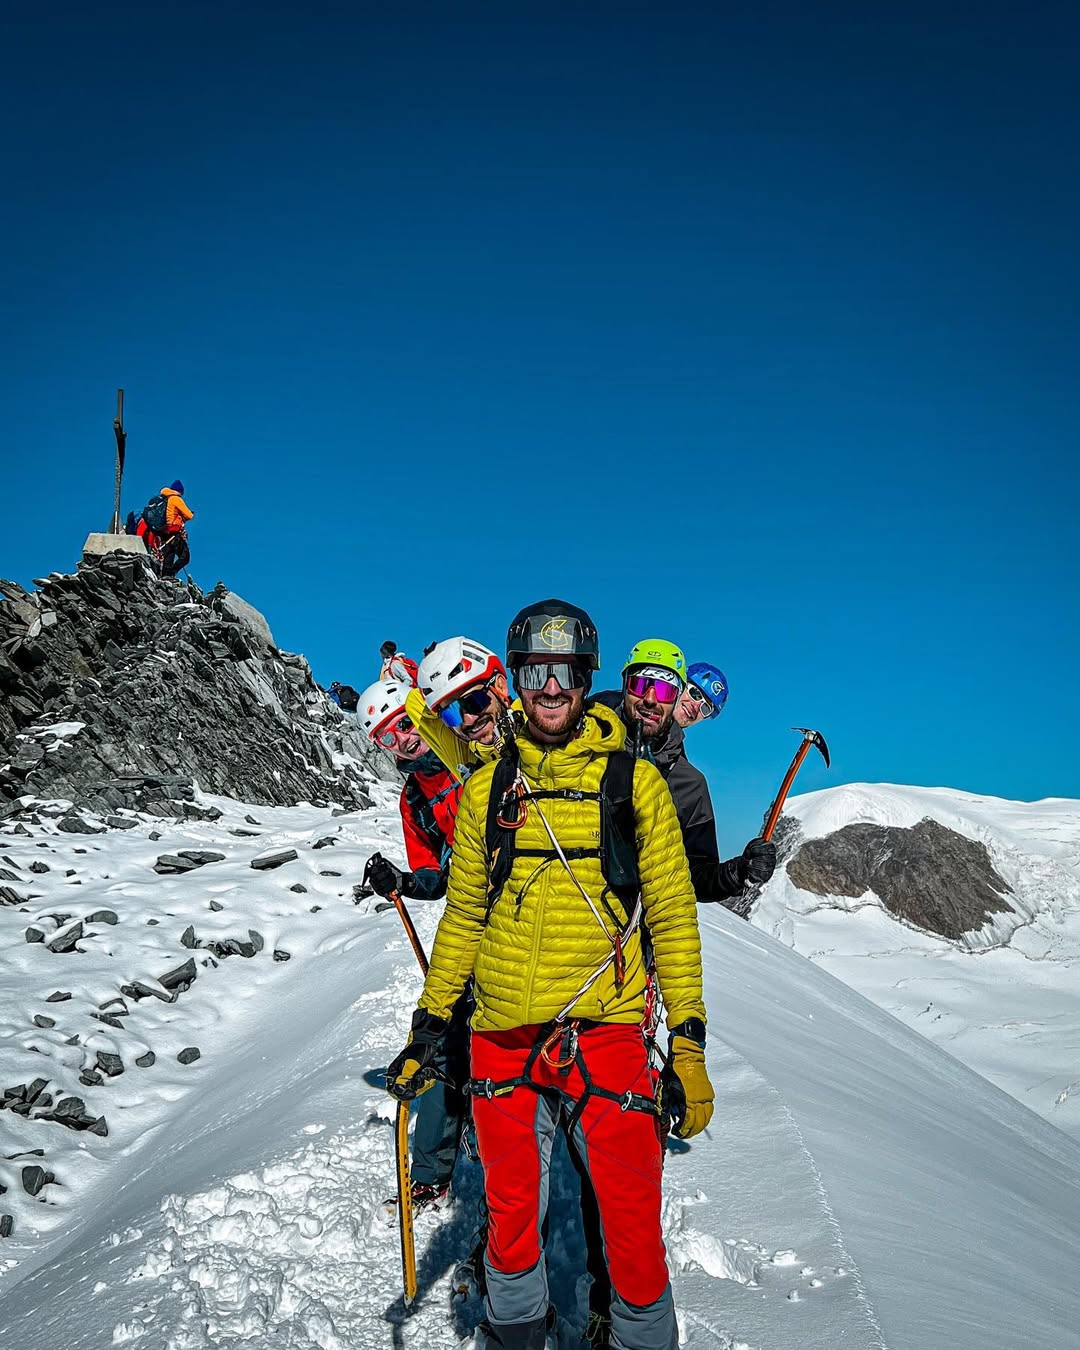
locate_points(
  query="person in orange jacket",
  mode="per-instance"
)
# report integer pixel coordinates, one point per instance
(171, 540)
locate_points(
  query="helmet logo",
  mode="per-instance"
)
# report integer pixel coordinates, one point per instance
(554, 635)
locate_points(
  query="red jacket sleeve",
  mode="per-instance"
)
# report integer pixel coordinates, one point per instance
(418, 848)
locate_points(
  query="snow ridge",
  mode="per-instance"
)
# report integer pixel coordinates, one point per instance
(238, 1201)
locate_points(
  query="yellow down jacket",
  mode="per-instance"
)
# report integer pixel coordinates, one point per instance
(541, 941)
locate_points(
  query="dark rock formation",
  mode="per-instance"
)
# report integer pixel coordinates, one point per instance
(927, 874)
(173, 689)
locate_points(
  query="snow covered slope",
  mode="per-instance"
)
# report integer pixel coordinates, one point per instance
(1004, 1000)
(858, 1187)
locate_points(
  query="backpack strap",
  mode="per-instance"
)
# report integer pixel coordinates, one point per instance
(500, 837)
(618, 828)
(618, 850)
(423, 810)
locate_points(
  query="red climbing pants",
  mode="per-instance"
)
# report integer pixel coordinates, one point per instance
(619, 1146)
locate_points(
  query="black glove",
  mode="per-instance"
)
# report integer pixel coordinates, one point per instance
(723, 881)
(758, 861)
(383, 877)
(413, 1071)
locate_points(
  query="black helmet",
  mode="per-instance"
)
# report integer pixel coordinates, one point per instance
(554, 628)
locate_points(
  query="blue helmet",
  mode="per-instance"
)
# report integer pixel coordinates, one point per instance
(712, 682)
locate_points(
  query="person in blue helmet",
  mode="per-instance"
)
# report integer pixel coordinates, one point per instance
(704, 697)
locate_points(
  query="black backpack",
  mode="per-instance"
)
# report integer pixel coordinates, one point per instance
(618, 851)
(154, 513)
(348, 698)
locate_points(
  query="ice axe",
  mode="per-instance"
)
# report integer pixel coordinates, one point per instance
(403, 914)
(745, 903)
(401, 1129)
(809, 738)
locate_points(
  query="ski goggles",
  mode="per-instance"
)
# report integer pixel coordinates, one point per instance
(473, 703)
(567, 675)
(666, 691)
(388, 736)
(706, 708)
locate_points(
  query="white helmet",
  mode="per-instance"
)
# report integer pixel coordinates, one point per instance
(453, 665)
(378, 703)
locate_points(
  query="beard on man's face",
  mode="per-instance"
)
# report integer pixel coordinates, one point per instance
(553, 716)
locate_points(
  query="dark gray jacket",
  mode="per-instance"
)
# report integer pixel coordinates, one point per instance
(713, 879)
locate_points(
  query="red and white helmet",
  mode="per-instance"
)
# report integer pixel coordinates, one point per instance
(379, 703)
(453, 665)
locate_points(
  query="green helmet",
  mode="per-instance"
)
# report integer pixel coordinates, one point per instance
(657, 652)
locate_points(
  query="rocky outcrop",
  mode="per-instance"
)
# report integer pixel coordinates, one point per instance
(927, 875)
(119, 690)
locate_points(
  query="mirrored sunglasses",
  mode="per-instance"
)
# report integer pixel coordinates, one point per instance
(475, 701)
(470, 704)
(388, 737)
(567, 674)
(666, 691)
(707, 708)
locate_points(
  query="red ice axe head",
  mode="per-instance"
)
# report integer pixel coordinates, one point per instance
(809, 738)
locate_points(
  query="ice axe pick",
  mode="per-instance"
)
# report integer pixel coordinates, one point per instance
(809, 738)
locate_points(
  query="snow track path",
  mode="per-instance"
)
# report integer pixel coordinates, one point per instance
(243, 1208)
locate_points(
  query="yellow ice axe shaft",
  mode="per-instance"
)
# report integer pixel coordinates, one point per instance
(401, 1141)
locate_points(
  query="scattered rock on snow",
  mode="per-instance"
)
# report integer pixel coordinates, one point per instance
(65, 940)
(34, 1178)
(278, 859)
(109, 1063)
(181, 977)
(189, 1055)
(172, 864)
(76, 825)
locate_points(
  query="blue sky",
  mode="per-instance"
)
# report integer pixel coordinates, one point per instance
(753, 330)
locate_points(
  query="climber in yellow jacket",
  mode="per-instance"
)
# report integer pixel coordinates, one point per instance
(460, 695)
(561, 988)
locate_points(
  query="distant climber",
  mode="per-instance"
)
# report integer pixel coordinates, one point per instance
(344, 695)
(396, 665)
(161, 528)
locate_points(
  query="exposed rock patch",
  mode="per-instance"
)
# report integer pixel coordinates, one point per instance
(928, 875)
(121, 692)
